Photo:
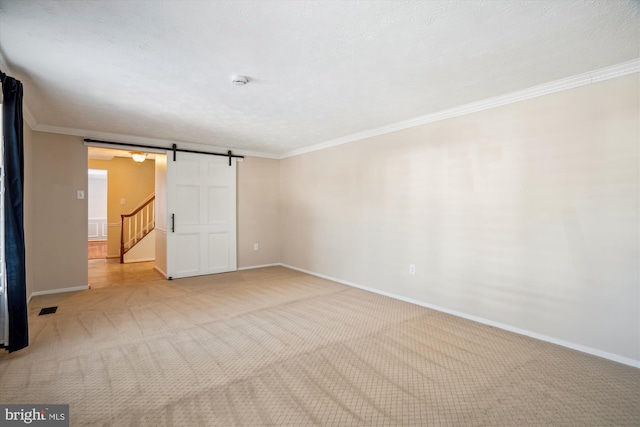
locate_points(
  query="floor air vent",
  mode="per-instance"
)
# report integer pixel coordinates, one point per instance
(48, 310)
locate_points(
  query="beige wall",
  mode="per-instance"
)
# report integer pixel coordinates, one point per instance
(58, 232)
(161, 214)
(526, 215)
(258, 211)
(28, 205)
(127, 180)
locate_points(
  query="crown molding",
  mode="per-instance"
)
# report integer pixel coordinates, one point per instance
(3, 64)
(28, 117)
(26, 112)
(3, 68)
(162, 144)
(583, 79)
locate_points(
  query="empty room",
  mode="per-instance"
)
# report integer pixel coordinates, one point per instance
(327, 213)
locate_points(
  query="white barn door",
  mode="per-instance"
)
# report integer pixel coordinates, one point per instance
(201, 227)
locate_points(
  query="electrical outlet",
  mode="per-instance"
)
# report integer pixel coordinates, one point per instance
(123, 201)
(412, 269)
(80, 195)
(255, 247)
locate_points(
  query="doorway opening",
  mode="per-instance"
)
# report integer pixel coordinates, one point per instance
(119, 191)
(193, 211)
(97, 208)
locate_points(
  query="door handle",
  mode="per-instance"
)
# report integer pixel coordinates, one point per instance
(173, 223)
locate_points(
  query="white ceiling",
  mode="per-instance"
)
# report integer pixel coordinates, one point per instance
(318, 70)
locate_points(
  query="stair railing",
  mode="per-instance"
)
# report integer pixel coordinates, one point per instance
(136, 225)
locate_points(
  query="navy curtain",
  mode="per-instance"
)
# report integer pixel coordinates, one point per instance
(13, 212)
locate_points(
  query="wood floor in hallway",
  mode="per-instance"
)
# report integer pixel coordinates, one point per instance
(109, 272)
(97, 249)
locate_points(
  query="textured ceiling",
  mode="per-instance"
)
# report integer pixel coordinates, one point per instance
(318, 70)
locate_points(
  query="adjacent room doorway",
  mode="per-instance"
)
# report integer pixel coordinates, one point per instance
(97, 207)
(195, 214)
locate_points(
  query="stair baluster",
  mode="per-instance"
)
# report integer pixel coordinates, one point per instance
(143, 217)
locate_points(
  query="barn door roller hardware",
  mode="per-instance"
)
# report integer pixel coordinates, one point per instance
(173, 148)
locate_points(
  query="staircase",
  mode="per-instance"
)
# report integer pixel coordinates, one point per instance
(136, 225)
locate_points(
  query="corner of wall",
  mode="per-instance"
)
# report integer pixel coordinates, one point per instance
(28, 206)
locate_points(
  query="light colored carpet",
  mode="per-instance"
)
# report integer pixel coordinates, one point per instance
(277, 347)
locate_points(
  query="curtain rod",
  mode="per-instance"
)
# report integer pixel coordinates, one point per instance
(173, 148)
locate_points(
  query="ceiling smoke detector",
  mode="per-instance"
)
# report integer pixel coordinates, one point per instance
(239, 80)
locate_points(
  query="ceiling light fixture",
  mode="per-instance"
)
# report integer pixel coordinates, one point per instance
(138, 157)
(239, 80)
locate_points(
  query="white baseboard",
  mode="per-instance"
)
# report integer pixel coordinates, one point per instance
(133, 261)
(251, 267)
(541, 337)
(57, 291)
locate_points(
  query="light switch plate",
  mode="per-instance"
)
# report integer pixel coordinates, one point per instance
(80, 194)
